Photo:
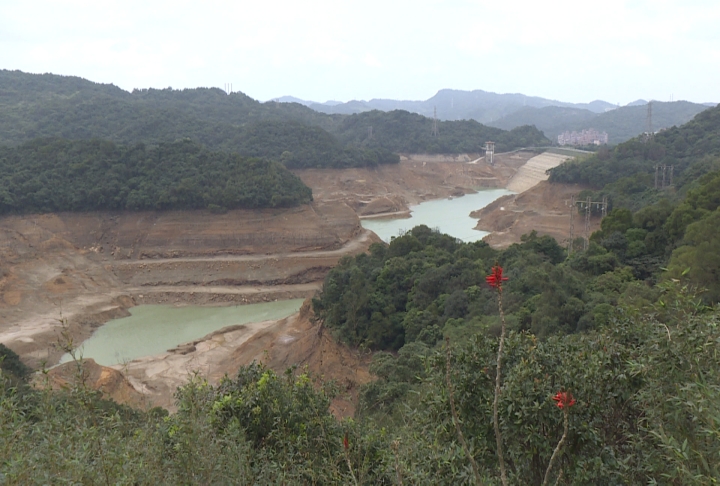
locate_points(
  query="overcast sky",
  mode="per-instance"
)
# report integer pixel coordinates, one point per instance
(572, 50)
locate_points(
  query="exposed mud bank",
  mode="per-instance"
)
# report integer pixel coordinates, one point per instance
(63, 275)
(293, 341)
(89, 268)
(389, 190)
(544, 208)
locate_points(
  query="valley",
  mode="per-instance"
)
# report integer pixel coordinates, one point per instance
(68, 273)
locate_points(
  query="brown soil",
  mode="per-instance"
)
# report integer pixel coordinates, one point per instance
(417, 178)
(544, 208)
(84, 269)
(293, 341)
(87, 373)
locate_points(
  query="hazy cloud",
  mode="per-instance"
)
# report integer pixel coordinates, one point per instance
(618, 50)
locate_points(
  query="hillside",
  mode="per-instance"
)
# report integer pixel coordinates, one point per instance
(621, 124)
(509, 111)
(33, 106)
(599, 357)
(51, 175)
(664, 194)
(404, 132)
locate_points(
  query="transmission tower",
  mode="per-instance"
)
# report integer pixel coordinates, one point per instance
(587, 206)
(489, 152)
(573, 208)
(435, 127)
(664, 176)
(588, 203)
(649, 127)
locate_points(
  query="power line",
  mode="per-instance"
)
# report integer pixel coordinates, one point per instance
(587, 207)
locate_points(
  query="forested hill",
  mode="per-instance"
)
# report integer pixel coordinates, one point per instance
(47, 105)
(401, 131)
(608, 372)
(694, 146)
(665, 195)
(621, 124)
(48, 175)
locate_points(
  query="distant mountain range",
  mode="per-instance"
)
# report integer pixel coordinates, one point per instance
(508, 111)
(621, 124)
(451, 104)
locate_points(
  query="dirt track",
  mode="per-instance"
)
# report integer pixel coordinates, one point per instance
(89, 268)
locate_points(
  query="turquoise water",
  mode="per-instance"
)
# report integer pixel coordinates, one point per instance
(153, 329)
(451, 216)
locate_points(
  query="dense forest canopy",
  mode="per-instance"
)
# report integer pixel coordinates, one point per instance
(664, 191)
(33, 106)
(401, 131)
(49, 175)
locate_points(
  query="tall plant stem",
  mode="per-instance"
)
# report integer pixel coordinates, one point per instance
(498, 378)
(349, 465)
(556, 452)
(456, 421)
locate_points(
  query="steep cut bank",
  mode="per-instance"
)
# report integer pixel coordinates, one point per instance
(293, 341)
(390, 190)
(544, 208)
(86, 268)
(89, 268)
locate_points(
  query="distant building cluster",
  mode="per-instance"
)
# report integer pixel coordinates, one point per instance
(586, 137)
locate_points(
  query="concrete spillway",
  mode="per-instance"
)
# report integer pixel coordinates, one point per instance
(533, 172)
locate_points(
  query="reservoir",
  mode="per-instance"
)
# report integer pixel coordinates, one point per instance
(153, 329)
(451, 216)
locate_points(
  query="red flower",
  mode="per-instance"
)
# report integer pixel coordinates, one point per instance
(495, 279)
(346, 443)
(564, 399)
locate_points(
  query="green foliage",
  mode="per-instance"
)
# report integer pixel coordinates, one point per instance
(61, 175)
(299, 146)
(697, 260)
(42, 106)
(641, 394)
(401, 131)
(11, 364)
(425, 286)
(621, 124)
(259, 428)
(627, 174)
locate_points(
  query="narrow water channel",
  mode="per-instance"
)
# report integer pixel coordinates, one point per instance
(153, 329)
(451, 216)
